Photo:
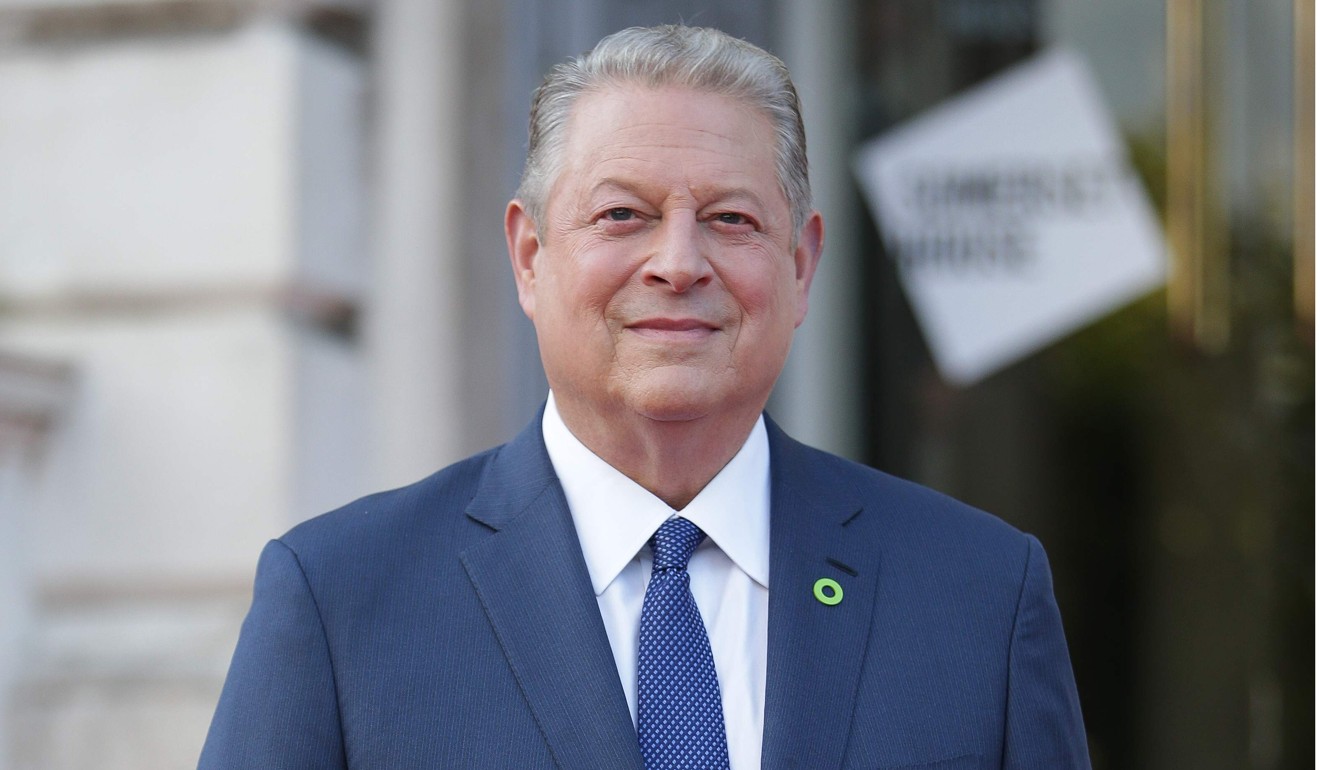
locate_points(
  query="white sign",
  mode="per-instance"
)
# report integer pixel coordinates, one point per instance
(1013, 214)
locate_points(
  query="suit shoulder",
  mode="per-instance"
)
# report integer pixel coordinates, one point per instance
(436, 502)
(935, 508)
(909, 514)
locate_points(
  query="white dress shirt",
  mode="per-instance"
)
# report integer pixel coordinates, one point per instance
(615, 517)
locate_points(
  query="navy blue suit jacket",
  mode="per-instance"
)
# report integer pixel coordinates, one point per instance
(452, 624)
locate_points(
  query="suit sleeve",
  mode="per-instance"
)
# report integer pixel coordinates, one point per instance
(1044, 719)
(279, 709)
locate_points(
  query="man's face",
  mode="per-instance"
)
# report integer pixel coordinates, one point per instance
(664, 282)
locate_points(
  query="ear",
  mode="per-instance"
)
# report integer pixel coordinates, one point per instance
(524, 246)
(806, 257)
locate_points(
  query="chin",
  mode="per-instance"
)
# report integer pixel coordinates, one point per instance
(668, 396)
(676, 412)
(672, 396)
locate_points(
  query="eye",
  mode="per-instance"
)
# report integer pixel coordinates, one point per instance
(620, 214)
(730, 218)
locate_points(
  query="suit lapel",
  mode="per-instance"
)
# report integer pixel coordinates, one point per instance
(533, 584)
(815, 651)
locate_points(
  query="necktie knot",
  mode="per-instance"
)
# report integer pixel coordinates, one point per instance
(673, 544)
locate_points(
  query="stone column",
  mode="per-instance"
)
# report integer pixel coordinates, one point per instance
(414, 322)
(34, 393)
(818, 398)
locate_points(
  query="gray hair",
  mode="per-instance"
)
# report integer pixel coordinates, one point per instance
(671, 55)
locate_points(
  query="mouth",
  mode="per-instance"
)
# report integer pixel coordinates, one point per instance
(673, 329)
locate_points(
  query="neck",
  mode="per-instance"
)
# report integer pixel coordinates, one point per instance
(672, 459)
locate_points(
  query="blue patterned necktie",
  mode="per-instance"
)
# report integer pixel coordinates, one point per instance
(680, 722)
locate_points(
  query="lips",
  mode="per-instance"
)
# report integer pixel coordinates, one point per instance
(675, 329)
(673, 324)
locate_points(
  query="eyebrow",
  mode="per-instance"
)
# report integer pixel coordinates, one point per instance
(715, 194)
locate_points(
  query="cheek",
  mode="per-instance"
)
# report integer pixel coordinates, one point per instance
(764, 290)
(599, 277)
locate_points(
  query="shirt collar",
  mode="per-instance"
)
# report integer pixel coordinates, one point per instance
(615, 517)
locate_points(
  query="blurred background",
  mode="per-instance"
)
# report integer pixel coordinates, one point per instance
(252, 266)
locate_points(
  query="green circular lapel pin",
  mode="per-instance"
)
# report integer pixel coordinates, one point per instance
(828, 592)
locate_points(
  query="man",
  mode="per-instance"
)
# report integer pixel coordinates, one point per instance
(530, 606)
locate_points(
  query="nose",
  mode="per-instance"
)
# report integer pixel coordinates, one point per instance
(679, 260)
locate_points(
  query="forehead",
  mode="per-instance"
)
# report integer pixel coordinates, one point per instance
(669, 136)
